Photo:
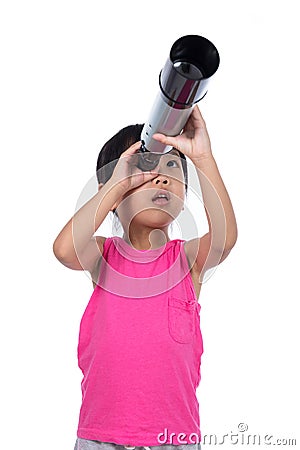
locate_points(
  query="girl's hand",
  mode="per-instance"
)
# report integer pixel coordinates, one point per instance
(194, 141)
(126, 174)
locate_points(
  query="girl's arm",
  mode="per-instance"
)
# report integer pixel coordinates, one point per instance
(75, 246)
(213, 247)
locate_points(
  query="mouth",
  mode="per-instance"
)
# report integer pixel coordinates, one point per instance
(161, 197)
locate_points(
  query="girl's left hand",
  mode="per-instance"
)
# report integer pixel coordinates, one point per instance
(194, 141)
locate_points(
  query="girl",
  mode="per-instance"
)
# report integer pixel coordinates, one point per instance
(140, 343)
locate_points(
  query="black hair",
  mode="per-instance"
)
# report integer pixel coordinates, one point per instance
(114, 147)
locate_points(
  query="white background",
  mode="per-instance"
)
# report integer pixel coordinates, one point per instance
(72, 74)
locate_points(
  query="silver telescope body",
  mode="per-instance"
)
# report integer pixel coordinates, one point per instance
(183, 82)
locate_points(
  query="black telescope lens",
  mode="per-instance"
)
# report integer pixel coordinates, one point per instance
(199, 52)
(147, 161)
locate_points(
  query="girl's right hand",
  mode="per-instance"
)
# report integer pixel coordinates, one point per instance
(126, 174)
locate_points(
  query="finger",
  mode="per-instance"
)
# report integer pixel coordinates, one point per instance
(132, 149)
(140, 178)
(150, 174)
(195, 121)
(167, 140)
(190, 125)
(197, 116)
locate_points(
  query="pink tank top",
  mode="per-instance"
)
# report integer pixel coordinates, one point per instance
(140, 348)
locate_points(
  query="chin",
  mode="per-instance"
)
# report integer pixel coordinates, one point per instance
(155, 218)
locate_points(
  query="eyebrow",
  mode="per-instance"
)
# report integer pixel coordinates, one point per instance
(174, 151)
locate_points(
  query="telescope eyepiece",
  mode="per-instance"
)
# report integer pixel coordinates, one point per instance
(147, 160)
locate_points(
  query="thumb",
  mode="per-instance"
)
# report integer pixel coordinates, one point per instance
(167, 140)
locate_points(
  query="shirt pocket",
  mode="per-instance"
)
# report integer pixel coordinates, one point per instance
(181, 319)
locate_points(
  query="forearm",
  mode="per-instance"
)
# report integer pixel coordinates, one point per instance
(217, 203)
(78, 232)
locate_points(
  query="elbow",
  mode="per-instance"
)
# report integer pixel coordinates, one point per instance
(59, 250)
(224, 242)
(65, 255)
(230, 242)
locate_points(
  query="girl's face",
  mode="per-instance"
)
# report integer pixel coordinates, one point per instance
(158, 202)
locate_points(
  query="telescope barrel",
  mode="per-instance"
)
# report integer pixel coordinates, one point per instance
(183, 81)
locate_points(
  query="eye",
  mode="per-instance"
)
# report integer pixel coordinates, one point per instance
(172, 163)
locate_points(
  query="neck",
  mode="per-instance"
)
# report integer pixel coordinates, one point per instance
(146, 239)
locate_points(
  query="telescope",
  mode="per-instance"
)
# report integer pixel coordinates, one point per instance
(183, 82)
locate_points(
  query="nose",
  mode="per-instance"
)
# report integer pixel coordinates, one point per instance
(161, 179)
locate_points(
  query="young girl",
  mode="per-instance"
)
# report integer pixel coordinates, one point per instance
(140, 343)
